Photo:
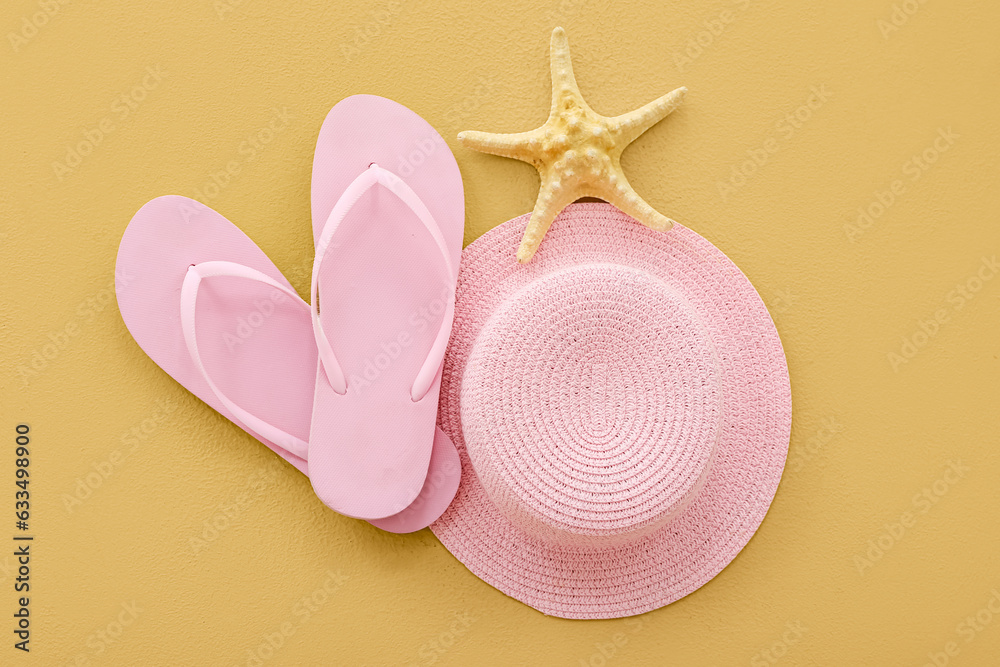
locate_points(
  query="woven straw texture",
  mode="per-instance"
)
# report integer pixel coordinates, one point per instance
(622, 409)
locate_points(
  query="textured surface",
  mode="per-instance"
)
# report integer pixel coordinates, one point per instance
(624, 403)
(218, 544)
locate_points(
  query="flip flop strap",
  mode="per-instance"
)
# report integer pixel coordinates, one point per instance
(189, 301)
(364, 182)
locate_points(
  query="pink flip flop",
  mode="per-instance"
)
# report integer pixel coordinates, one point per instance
(388, 222)
(213, 311)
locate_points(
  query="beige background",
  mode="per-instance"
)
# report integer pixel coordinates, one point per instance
(869, 434)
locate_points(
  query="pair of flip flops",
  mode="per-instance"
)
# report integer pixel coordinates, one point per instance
(344, 387)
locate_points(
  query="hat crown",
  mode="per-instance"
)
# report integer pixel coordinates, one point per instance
(591, 405)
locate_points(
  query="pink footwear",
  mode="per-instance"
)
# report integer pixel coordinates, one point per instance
(388, 222)
(212, 310)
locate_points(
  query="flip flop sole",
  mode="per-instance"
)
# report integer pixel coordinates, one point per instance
(383, 292)
(256, 342)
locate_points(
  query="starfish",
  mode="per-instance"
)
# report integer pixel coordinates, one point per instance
(577, 151)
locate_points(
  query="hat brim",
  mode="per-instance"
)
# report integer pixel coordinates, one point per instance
(683, 555)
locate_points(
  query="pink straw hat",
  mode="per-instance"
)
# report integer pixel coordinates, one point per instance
(622, 410)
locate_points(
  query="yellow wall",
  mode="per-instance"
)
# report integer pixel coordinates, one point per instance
(868, 437)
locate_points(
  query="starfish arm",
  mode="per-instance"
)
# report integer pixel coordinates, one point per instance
(630, 203)
(517, 145)
(561, 65)
(630, 125)
(552, 198)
